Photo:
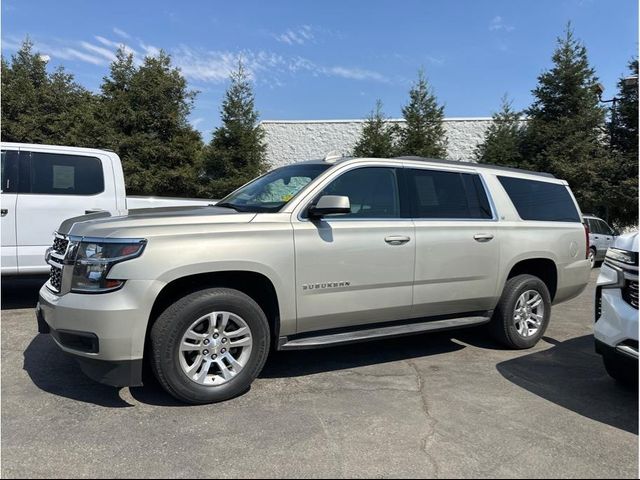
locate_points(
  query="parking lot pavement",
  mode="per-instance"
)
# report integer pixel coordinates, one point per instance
(445, 405)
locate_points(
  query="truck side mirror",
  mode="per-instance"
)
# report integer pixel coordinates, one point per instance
(330, 205)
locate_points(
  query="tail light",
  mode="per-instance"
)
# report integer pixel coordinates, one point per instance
(586, 237)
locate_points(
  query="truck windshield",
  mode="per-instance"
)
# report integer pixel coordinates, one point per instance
(272, 191)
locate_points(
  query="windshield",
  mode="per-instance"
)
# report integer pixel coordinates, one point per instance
(272, 191)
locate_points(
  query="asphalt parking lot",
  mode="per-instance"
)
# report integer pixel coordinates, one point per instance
(444, 405)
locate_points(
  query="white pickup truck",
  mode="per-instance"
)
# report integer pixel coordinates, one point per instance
(43, 185)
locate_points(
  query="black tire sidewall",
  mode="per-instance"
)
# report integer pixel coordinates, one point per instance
(171, 325)
(505, 325)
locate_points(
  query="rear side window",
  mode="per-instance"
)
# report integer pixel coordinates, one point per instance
(541, 201)
(56, 174)
(438, 194)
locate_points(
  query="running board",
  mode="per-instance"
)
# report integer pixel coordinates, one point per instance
(365, 335)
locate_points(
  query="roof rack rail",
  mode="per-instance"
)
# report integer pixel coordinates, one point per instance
(475, 164)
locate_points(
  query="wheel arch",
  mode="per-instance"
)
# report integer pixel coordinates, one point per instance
(544, 268)
(254, 284)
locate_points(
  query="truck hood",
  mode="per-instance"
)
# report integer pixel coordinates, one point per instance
(104, 224)
(628, 242)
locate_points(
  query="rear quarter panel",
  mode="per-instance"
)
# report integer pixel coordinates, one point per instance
(562, 242)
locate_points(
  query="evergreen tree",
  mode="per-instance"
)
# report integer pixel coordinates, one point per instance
(502, 143)
(566, 126)
(237, 151)
(623, 128)
(144, 109)
(423, 133)
(377, 137)
(38, 107)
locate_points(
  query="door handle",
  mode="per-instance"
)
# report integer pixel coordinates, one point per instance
(483, 237)
(397, 240)
(4, 212)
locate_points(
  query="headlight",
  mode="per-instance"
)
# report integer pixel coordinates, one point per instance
(94, 259)
(622, 256)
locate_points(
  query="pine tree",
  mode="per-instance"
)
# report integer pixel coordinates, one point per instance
(145, 109)
(623, 128)
(38, 107)
(237, 151)
(423, 133)
(377, 137)
(502, 143)
(566, 126)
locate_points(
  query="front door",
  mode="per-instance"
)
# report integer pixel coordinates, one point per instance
(356, 268)
(8, 214)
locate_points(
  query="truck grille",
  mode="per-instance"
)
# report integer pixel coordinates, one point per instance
(55, 278)
(630, 293)
(56, 257)
(60, 245)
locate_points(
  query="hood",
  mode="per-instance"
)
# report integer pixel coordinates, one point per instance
(104, 224)
(628, 242)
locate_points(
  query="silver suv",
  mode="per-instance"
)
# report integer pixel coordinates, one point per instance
(601, 237)
(311, 255)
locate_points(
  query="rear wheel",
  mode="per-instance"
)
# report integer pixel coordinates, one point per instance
(209, 346)
(522, 315)
(592, 257)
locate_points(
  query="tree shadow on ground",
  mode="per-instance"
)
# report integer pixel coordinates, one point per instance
(571, 374)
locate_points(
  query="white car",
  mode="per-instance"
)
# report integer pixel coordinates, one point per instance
(43, 185)
(616, 309)
(601, 237)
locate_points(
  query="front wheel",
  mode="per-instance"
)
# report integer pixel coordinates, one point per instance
(522, 315)
(209, 346)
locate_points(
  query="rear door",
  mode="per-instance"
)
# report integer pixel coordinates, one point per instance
(56, 186)
(8, 201)
(457, 243)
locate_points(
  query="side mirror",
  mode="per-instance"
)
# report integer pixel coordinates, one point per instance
(329, 205)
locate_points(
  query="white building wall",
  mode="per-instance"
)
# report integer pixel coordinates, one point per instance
(290, 141)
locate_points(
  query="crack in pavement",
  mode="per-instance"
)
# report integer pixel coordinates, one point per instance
(431, 422)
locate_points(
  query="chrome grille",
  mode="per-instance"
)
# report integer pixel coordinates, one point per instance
(55, 257)
(630, 293)
(60, 244)
(55, 278)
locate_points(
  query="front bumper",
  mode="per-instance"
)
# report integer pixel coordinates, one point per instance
(616, 326)
(105, 332)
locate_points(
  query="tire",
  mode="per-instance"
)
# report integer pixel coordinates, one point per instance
(504, 324)
(592, 257)
(169, 334)
(622, 370)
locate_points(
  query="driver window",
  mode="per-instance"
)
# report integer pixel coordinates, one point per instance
(372, 192)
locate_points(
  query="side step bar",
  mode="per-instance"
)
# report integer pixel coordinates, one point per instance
(354, 336)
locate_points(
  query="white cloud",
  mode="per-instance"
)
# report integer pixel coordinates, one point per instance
(497, 24)
(298, 36)
(209, 66)
(105, 52)
(121, 33)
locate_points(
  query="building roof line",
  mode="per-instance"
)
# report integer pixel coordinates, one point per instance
(362, 120)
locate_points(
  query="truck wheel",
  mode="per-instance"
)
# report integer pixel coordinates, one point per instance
(523, 313)
(592, 257)
(209, 346)
(622, 370)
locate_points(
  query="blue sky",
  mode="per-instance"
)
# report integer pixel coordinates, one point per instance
(333, 59)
